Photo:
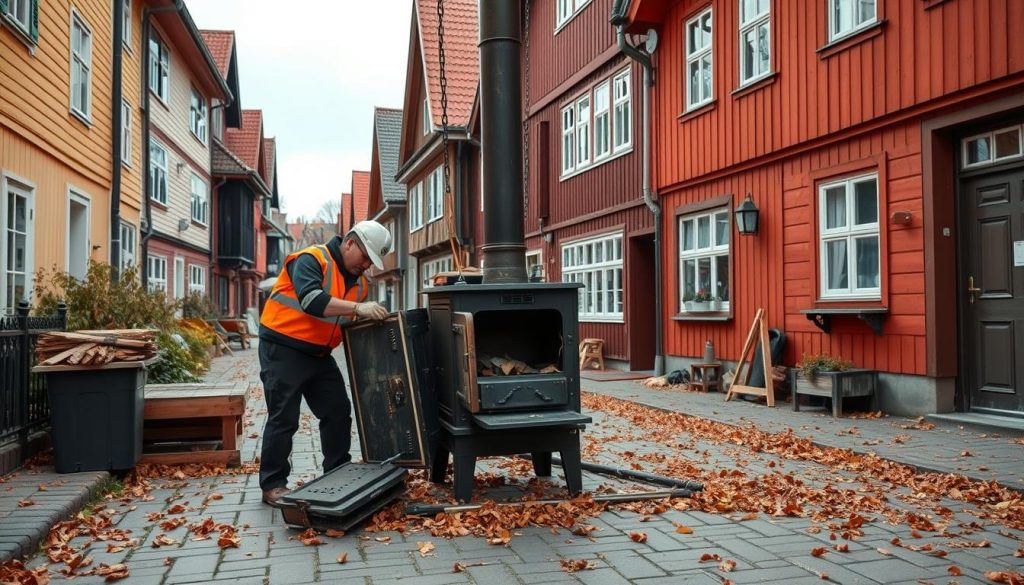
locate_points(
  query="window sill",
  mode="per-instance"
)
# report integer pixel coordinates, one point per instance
(81, 117)
(160, 100)
(755, 85)
(434, 219)
(696, 112)
(705, 316)
(612, 320)
(20, 33)
(157, 204)
(199, 224)
(198, 139)
(929, 4)
(841, 44)
(623, 151)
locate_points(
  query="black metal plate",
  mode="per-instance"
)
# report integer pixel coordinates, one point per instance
(519, 420)
(391, 374)
(527, 391)
(318, 518)
(347, 488)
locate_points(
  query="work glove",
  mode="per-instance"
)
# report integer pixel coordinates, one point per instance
(371, 310)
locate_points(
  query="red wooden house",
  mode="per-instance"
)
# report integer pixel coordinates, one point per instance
(586, 220)
(881, 141)
(387, 205)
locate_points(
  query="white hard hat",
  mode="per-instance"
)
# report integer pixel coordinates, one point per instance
(376, 240)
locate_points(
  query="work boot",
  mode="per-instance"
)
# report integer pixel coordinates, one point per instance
(272, 497)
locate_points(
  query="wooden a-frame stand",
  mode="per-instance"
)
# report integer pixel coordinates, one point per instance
(739, 384)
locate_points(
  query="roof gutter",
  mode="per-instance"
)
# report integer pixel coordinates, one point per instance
(427, 151)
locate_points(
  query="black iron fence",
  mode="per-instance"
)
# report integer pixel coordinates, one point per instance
(23, 403)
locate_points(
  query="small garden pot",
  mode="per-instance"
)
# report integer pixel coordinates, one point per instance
(836, 386)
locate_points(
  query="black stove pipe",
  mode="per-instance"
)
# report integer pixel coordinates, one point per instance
(504, 248)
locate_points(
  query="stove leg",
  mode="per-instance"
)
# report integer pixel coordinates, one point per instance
(439, 466)
(465, 466)
(573, 468)
(542, 464)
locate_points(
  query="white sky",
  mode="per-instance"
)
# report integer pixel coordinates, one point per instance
(316, 72)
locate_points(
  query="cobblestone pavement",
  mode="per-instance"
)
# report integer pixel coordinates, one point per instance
(764, 548)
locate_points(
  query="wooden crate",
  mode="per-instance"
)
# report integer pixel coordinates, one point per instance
(196, 417)
(836, 386)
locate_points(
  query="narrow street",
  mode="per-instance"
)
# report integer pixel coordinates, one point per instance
(776, 508)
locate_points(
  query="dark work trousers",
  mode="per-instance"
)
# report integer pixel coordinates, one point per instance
(288, 375)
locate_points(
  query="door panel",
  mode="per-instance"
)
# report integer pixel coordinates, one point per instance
(992, 290)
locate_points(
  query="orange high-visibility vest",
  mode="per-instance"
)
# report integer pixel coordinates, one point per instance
(283, 311)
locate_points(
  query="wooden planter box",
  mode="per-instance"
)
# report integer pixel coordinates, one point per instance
(836, 386)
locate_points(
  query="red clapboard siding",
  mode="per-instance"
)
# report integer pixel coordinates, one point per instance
(556, 56)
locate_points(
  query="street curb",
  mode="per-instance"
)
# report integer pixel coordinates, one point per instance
(21, 534)
(916, 467)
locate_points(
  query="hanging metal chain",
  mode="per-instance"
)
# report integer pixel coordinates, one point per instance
(449, 201)
(526, 112)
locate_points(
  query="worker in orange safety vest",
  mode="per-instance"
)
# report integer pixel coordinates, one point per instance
(319, 289)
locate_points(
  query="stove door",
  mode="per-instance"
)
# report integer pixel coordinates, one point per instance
(391, 375)
(465, 354)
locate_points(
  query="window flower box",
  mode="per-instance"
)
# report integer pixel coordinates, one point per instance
(836, 385)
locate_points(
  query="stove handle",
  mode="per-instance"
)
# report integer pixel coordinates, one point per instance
(536, 392)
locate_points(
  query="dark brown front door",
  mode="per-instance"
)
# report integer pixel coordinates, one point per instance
(992, 290)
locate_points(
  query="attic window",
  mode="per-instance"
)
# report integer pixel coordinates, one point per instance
(426, 117)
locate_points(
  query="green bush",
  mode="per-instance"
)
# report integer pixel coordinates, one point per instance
(97, 302)
(199, 306)
(810, 365)
(176, 364)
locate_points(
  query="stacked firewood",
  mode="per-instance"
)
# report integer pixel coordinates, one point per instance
(95, 348)
(506, 366)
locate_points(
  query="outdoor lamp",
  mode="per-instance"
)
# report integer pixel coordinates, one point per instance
(747, 217)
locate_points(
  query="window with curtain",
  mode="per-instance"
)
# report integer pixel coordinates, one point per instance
(755, 40)
(849, 233)
(704, 240)
(698, 60)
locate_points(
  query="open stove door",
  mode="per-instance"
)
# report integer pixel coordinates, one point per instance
(391, 378)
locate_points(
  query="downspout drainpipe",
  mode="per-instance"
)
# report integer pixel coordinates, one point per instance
(148, 209)
(653, 206)
(115, 143)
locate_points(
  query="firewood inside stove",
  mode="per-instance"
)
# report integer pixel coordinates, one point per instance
(506, 366)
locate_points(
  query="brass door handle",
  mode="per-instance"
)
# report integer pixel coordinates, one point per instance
(971, 290)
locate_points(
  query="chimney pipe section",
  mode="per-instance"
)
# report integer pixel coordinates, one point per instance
(504, 249)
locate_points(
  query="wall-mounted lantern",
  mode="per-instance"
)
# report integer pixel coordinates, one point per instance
(747, 217)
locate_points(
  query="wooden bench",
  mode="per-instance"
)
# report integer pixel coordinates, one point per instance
(194, 416)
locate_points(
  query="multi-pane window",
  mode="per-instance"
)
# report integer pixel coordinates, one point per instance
(602, 129)
(197, 279)
(993, 147)
(21, 12)
(566, 9)
(704, 258)
(126, 26)
(197, 116)
(430, 269)
(126, 132)
(81, 65)
(535, 265)
(755, 39)
(849, 230)
(583, 130)
(848, 16)
(607, 109)
(623, 111)
(157, 273)
(435, 195)
(159, 68)
(597, 263)
(17, 222)
(157, 172)
(200, 200)
(568, 139)
(698, 60)
(416, 207)
(127, 246)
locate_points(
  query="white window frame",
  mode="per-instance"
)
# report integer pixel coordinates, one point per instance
(435, 195)
(568, 139)
(197, 279)
(580, 264)
(217, 120)
(622, 120)
(159, 68)
(566, 10)
(197, 116)
(602, 120)
(12, 186)
(179, 277)
(126, 133)
(80, 67)
(426, 116)
(416, 207)
(157, 173)
(754, 23)
(26, 10)
(539, 255)
(200, 200)
(712, 251)
(696, 56)
(75, 195)
(431, 268)
(156, 273)
(850, 232)
(126, 24)
(835, 33)
(128, 243)
(991, 137)
(583, 111)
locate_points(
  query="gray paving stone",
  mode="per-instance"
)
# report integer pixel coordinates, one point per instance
(450, 578)
(632, 565)
(894, 569)
(292, 572)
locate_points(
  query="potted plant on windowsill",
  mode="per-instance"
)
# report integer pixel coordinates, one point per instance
(715, 305)
(688, 301)
(702, 301)
(833, 378)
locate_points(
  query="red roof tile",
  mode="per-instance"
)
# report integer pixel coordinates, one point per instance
(361, 193)
(346, 202)
(462, 57)
(220, 43)
(246, 141)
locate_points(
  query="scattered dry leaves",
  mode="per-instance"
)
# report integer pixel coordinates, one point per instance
(817, 552)
(638, 536)
(343, 558)
(425, 548)
(573, 565)
(727, 565)
(309, 538)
